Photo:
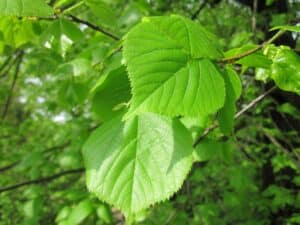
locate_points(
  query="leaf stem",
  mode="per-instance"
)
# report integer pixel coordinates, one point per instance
(235, 58)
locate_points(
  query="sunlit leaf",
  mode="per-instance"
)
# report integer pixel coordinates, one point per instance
(135, 164)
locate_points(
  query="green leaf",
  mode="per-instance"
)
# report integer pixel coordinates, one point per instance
(103, 11)
(234, 81)
(80, 212)
(60, 35)
(287, 28)
(16, 32)
(233, 91)
(285, 70)
(77, 67)
(104, 213)
(111, 94)
(262, 74)
(207, 149)
(72, 93)
(135, 164)
(24, 8)
(169, 69)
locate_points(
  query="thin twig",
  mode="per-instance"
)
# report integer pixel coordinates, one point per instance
(58, 147)
(242, 148)
(170, 217)
(93, 26)
(254, 102)
(41, 180)
(237, 115)
(8, 100)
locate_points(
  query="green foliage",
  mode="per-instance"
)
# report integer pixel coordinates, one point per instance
(24, 8)
(284, 70)
(103, 11)
(138, 103)
(60, 35)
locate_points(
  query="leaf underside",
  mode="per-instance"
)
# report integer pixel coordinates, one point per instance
(135, 164)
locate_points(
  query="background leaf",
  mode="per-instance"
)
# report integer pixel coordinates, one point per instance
(24, 8)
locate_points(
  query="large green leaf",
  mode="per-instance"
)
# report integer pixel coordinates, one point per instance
(24, 8)
(168, 60)
(135, 164)
(111, 94)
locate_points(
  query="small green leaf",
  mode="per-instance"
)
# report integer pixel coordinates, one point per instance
(60, 35)
(24, 8)
(80, 212)
(103, 11)
(262, 74)
(287, 28)
(104, 213)
(285, 70)
(135, 164)
(233, 91)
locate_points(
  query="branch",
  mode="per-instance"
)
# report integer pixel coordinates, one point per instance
(251, 51)
(254, 102)
(54, 148)
(41, 180)
(93, 26)
(237, 115)
(5, 63)
(8, 64)
(8, 167)
(51, 149)
(7, 103)
(201, 6)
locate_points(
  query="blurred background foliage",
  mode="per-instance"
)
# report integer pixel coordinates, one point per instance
(48, 97)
